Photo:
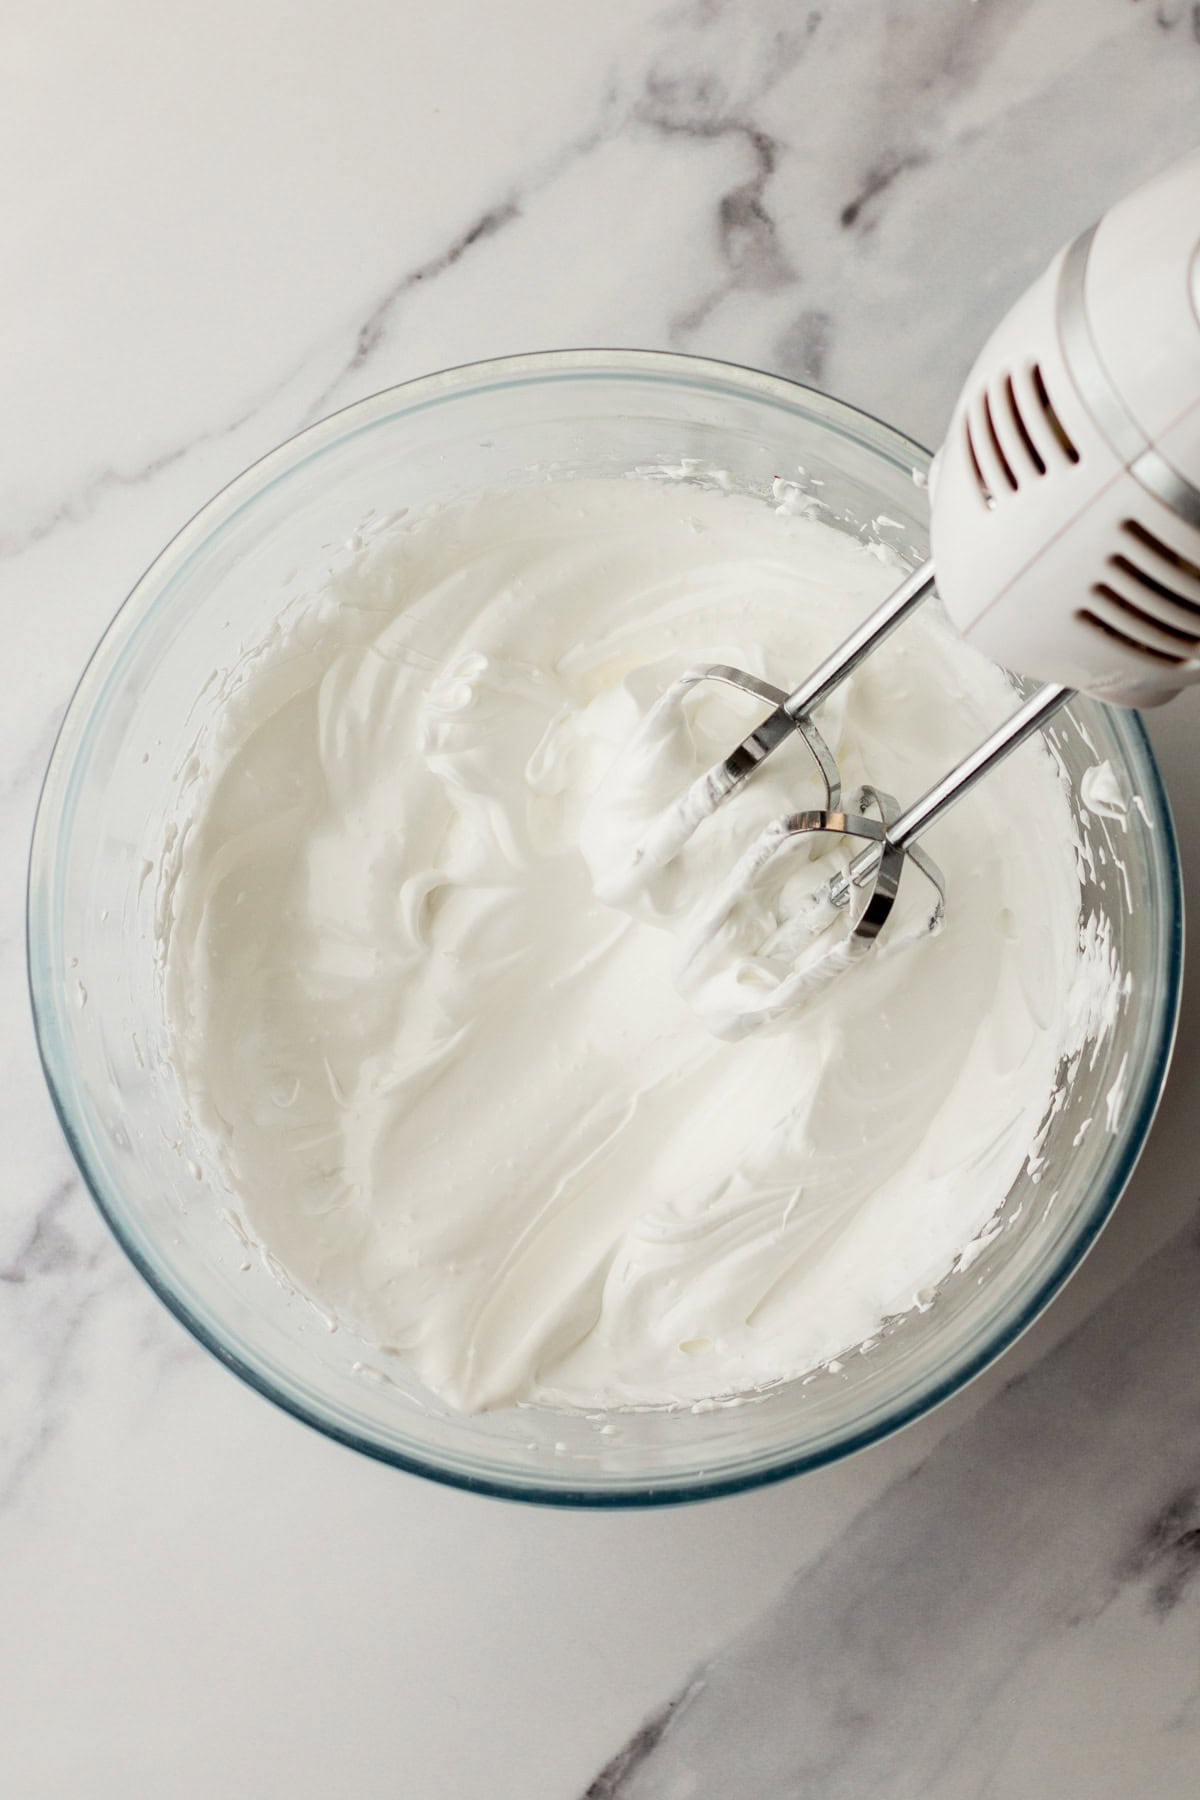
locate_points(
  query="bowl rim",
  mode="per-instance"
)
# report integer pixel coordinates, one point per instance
(414, 395)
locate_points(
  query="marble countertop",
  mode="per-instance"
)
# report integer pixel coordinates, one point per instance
(220, 222)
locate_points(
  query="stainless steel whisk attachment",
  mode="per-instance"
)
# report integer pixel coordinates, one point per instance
(888, 835)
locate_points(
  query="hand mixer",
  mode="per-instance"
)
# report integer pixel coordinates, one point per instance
(1065, 529)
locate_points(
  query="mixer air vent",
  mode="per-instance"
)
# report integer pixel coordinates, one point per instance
(1014, 435)
(1032, 452)
(1126, 638)
(1049, 413)
(1149, 600)
(981, 481)
(995, 444)
(1183, 576)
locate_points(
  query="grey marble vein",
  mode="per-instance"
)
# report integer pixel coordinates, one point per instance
(374, 328)
(860, 212)
(47, 1244)
(682, 94)
(803, 348)
(887, 1666)
(610, 1783)
(83, 501)
(746, 232)
(499, 214)
(65, 1283)
(24, 1451)
(694, 101)
(369, 336)
(49, 1285)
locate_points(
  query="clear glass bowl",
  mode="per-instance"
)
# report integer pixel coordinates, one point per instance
(274, 534)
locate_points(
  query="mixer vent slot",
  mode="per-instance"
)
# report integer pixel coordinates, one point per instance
(1022, 429)
(981, 481)
(1013, 434)
(1130, 642)
(989, 420)
(1149, 600)
(1049, 412)
(1152, 585)
(1149, 619)
(1186, 572)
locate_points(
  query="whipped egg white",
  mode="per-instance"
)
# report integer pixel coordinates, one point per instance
(459, 1095)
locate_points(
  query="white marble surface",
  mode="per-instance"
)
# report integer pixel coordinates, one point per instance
(220, 221)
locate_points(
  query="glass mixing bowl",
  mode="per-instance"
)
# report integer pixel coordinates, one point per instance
(275, 533)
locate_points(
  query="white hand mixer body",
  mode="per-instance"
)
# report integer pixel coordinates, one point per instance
(1065, 529)
(1066, 497)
